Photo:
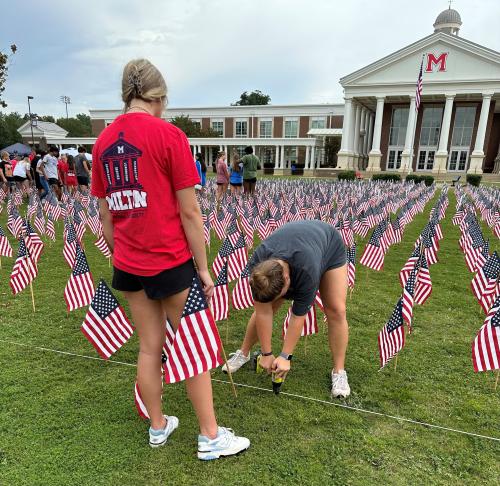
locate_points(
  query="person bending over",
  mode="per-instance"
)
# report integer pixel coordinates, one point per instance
(294, 263)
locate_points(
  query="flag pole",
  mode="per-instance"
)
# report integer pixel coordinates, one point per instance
(229, 374)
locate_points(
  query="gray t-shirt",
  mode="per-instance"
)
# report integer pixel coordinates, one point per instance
(80, 171)
(310, 248)
(50, 166)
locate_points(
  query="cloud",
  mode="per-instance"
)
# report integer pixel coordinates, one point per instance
(211, 51)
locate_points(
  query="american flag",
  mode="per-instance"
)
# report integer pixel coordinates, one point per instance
(220, 297)
(106, 326)
(409, 266)
(242, 293)
(351, 265)
(5, 248)
(408, 296)
(423, 287)
(418, 92)
(40, 220)
(80, 287)
(103, 246)
(310, 326)
(237, 259)
(196, 346)
(474, 245)
(33, 242)
(485, 281)
(225, 250)
(391, 338)
(486, 345)
(50, 229)
(69, 249)
(373, 256)
(24, 270)
(139, 404)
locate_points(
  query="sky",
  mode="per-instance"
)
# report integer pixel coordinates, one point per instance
(211, 51)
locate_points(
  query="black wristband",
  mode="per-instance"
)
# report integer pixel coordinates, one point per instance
(267, 354)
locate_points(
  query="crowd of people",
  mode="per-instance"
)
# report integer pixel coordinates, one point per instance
(48, 170)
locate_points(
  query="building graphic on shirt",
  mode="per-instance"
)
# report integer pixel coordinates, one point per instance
(121, 170)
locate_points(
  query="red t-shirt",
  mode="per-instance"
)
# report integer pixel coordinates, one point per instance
(139, 162)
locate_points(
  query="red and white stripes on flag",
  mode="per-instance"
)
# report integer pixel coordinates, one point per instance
(5, 248)
(373, 257)
(103, 246)
(196, 346)
(220, 298)
(391, 338)
(80, 287)
(486, 345)
(24, 270)
(310, 326)
(418, 91)
(242, 293)
(106, 326)
(139, 404)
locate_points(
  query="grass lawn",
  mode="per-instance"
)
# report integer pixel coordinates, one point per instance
(69, 420)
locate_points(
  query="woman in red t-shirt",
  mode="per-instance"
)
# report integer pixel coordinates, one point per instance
(144, 177)
(71, 181)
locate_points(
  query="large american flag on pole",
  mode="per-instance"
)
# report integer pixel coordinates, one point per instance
(196, 346)
(418, 91)
(106, 326)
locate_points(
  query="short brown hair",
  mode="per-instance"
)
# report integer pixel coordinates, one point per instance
(267, 281)
(142, 80)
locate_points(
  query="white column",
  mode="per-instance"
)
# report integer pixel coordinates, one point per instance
(375, 155)
(357, 124)
(406, 158)
(441, 156)
(312, 163)
(308, 157)
(344, 152)
(370, 134)
(282, 159)
(477, 157)
(276, 160)
(194, 152)
(362, 128)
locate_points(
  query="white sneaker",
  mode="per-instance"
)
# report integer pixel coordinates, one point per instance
(236, 361)
(225, 444)
(158, 438)
(340, 386)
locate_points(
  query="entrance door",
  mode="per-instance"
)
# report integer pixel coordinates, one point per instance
(426, 158)
(394, 157)
(457, 162)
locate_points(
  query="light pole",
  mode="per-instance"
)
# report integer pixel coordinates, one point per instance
(31, 121)
(66, 100)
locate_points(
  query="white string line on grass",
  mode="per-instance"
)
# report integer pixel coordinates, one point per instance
(292, 395)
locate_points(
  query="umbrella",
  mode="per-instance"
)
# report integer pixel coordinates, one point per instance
(17, 149)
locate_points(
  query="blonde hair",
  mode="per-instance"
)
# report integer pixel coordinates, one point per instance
(267, 281)
(236, 162)
(3, 154)
(142, 80)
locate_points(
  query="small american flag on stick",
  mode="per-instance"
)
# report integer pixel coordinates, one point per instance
(80, 287)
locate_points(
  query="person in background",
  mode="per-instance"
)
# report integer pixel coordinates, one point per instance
(236, 175)
(62, 169)
(222, 179)
(21, 173)
(82, 167)
(153, 263)
(201, 167)
(32, 154)
(71, 180)
(250, 165)
(36, 167)
(49, 171)
(6, 168)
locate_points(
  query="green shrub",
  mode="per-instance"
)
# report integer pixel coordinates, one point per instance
(347, 175)
(428, 180)
(386, 177)
(413, 177)
(474, 179)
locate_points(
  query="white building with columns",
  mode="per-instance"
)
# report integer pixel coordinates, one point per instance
(456, 128)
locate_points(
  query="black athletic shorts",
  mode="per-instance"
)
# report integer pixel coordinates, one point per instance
(53, 181)
(19, 178)
(236, 184)
(82, 180)
(164, 284)
(253, 180)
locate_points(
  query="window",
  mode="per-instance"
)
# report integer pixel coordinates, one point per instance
(318, 122)
(291, 127)
(431, 126)
(463, 126)
(197, 124)
(241, 128)
(398, 126)
(218, 126)
(265, 128)
(394, 159)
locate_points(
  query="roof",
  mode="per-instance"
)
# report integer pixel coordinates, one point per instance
(325, 132)
(43, 128)
(448, 16)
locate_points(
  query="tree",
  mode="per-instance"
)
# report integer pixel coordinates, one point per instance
(47, 118)
(76, 127)
(4, 66)
(9, 123)
(332, 146)
(254, 98)
(191, 128)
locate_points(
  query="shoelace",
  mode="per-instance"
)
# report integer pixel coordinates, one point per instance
(227, 437)
(339, 380)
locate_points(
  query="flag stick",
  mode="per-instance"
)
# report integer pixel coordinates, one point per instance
(109, 262)
(0, 262)
(496, 381)
(228, 370)
(32, 295)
